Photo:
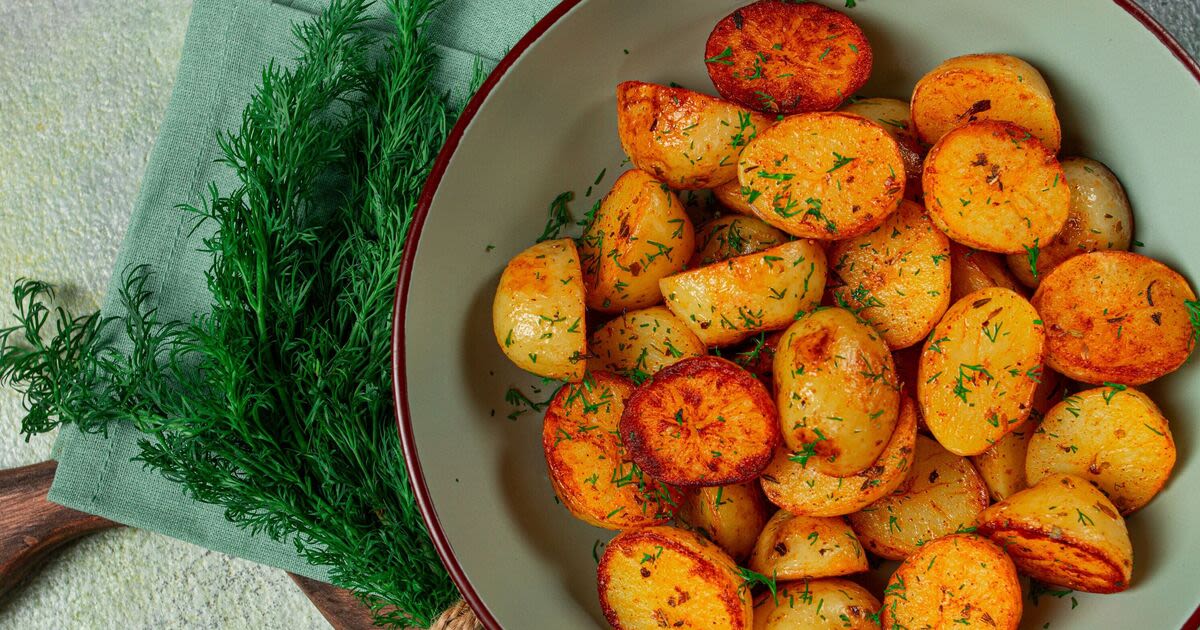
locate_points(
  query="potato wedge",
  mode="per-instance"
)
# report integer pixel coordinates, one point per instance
(944, 496)
(740, 297)
(1115, 317)
(687, 139)
(824, 175)
(640, 343)
(825, 604)
(1063, 531)
(589, 468)
(1115, 437)
(979, 369)
(703, 421)
(804, 491)
(795, 547)
(1003, 465)
(836, 390)
(897, 276)
(731, 236)
(957, 580)
(993, 186)
(639, 235)
(731, 196)
(972, 270)
(965, 89)
(538, 310)
(785, 58)
(663, 577)
(731, 516)
(893, 115)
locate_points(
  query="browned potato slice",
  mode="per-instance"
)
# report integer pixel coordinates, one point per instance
(1063, 531)
(639, 235)
(825, 175)
(825, 604)
(687, 139)
(979, 370)
(794, 547)
(837, 393)
(1115, 317)
(802, 490)
(703, 421)
(589, 468)
(537, 314)
(944, 497)
(733, 300)
(957, 580)
(662, 577)
(893, 115)
(972, 270)
(1114, 437)
(731, 516)
(733, 235)
(731, 196)
(787, 58)
(1003, 465)
(984, 87)
(640, 343)
(897, 277)
(993, 186)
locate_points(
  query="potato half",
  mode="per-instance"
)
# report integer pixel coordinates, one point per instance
(640, 343)
(824, 604)
(731, 516)
(732, 235)
(893, 115)
(793, 547)
(1003, 465)
(972, 270)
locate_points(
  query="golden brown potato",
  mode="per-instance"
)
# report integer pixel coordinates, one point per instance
(836, 390)
(591, 473)
(795, 547)
(993, 186)
(893, 115)
(979, 370)
(1114, 437)
(730, 301)
(972, 270)
(732, 235)
(537, 314)
(703, 421)
(640, 343)
(825, 604)
(1063, 531)
(787, 58)
(944, 496)
(824, 175)
(957, 580)
(1115, 317)
(687, 139)
(731, 516)
(663, 577)
(897, 277)
(639, 235)
(1003, 465)
(984, 87)
(731, 196)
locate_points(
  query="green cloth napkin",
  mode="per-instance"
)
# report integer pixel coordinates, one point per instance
(228, 43)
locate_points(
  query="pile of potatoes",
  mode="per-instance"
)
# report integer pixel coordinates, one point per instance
(840, 356)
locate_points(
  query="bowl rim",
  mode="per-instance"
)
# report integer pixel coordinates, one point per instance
(403, 414)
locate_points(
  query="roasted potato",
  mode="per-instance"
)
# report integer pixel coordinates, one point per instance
(731, 516)
(731, 195)
(687, 139)
(1114, 437)
(984, 87)
(824, 175)
(785, 58)
(538, 310)
(972, 270)
(1115, 317)
(957, 580)
(640, 343)
(897, 276)
(836, 390)
(732, 235)
(794, 547)
(733, 300)
(1063, 531)
(1002, 466)
(944, 495)
(825, 604)
(893, 115)
(663, 577)
(979, 369)
(993, 186)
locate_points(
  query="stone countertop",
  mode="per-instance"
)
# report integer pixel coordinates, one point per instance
(83, 87)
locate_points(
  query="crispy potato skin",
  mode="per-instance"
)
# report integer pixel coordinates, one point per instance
(823, 175)
(824, 604)
(1115, 439)
(893, 115)
(795, 547)
(703, 421)
(731, 236)
(896, 276)
(965, 89)
(1063, 531)
(663, 577)
(1115, 317)
(731, 516)
(730, 195)
(960, 579)
(785, 58)
(687, 139)
(972, 270)
(1003, 465)
(639, 343)
(538, 311)
(992, 186)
